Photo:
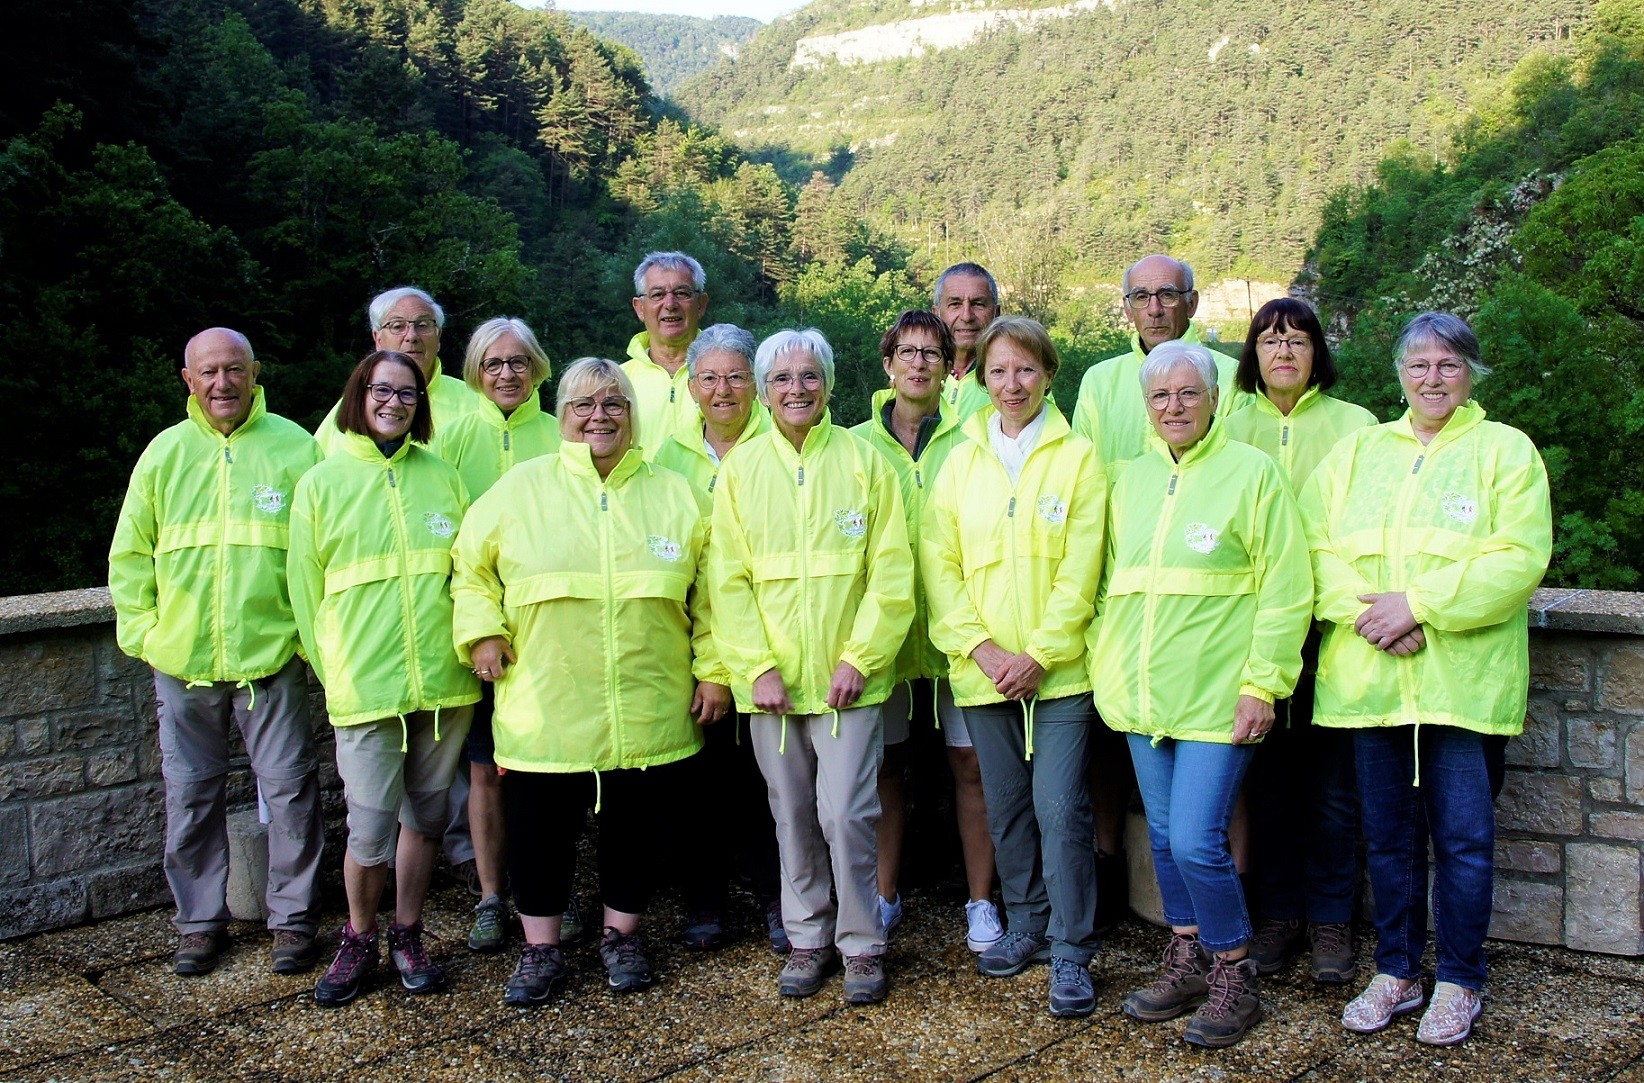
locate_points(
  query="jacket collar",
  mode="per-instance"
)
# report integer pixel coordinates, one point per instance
(529, 410)
(639, 349)
(690, 434)
(1192, 334)
(1212, 442)
(578, 460)
(1310, 398)
(946, 420)
(258, 408)
(815, 440)
(1056, 427)
(363, 447)
(1466, 418)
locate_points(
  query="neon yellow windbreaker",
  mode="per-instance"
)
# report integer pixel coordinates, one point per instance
(371, 581)
(1110, 412)
(1463, 526)
(1207, 594)
(1017, 564)
(918, 656)
(684, 452)
(809, 566)
(197, 568)
(665, 404)
(594, 583)
(449, 397)
(484, 445)
(966, 395)
(1299, 441)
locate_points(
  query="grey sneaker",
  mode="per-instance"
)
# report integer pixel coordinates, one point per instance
(1013, 953)
(541, 967)
(197, 953)
(865, 981)
(1182, 986)
(1273, 944)
(490, 925)
(1450, 1015)
(1072, 996)
(1232, 1007)
(805, 971)
(627, 966)
(1334, 962)
(571, 928)
(467, 874)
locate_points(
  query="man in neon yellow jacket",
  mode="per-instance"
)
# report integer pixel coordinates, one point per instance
(670, 299)
(966, 298)
(811, 577)
(197, 576)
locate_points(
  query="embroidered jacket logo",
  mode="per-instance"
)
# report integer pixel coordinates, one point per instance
(851, 523)
(1459, 507)
(662, 548)
(267, 499)
(439, 525)
(1201, 537)
(1053, 509)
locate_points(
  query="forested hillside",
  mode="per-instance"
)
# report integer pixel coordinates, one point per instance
(672, 47)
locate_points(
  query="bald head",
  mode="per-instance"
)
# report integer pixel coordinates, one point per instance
(1155, 321)
(220, 372)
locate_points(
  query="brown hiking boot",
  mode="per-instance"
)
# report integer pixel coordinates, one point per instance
(1232, 1006)
(1333, 960)
(1273, 944)
(197, 953)
(1181, 987)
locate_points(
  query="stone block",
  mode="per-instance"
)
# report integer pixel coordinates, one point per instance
(1602, 897)
(1145, 900)
(148, 755)
(1560, 663)
(247, 866)
(111, 767)
(1545, 804)
(114, 664)
(14, 846)
(27, 910)
(1606, 789)
(132, 887)
(1590, 743)
(50, 673)
(103, 827)
(1529, 855)
(1617, 825)
(1635, 766)
(33, 737)
(47, 776)
(80, 731)
(1526, 912)
(1621, 680)
(1538, 746)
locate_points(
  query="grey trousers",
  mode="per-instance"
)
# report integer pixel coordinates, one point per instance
(273, 716)
(1039, 817)
(824, 793)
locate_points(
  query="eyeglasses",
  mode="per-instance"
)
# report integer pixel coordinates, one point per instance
(908, 353)
(424, 326)
(1418, 370)
(1271, 343)
(493, 366)
(782, 381)
(682, 294)
(383, 392)
(1189, 397)
(614, 407)
(1169, 297)
(736, 381)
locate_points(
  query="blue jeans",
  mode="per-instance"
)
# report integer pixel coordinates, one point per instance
(1189, 789)
(1452, 806)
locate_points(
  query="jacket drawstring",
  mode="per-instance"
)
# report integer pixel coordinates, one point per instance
(909, 683)
(1416, 733)
(436, 723)
(935, 702)
(198, 684)
(835, 711)
(251, 686)
(782, 745)
(405, 736)
(599, 791)
(1027, 724)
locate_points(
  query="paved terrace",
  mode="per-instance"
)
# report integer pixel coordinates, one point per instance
(99, 1002)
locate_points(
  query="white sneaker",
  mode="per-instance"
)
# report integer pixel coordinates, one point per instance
(982, 925)
(890, 914)
(1450, 1015)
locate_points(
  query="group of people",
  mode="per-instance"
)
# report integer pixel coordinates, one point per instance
(687, 594)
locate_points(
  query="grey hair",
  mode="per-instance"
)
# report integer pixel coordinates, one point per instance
(486, 335)
(587, 375)
(669, 261)
(1167, 355)
(808, 341)
(1446, 329)
(721, 336)
(383, 303)
(969, 270)
(1187, 273)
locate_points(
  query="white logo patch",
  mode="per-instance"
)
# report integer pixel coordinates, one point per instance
(662, 548)
(267, 499)
(851, 523)
(1201, 538)
(1459, 507)
(439, 525)
(1053, 510)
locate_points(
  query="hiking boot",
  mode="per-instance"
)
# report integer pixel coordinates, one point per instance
(775, 930)
(1450, 1015)
(982, 928)
(571, 928)
(197, 953)
(805, 971)
(890, 914)
(1273, 944)
(418, 973)
(356, 959)
(865, 981)
(627, 967)
(541, 967)
(1182, 985)
(1112, 891)
(1333, 960)
(490, 925)
(1072, 996)
(1231, 1008)
(467, 874)
(1013, 953)
(704, 931)
(293, 952)
(1385, 997)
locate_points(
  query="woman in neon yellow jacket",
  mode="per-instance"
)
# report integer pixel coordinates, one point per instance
(1299, 789)
(912, 427)
(1011, 554)
(1205, 603)
(720, 366)
(812, 582)
(576, 588)
(369, 569)
(1428, 535)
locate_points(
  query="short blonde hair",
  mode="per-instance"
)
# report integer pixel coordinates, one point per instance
(587, 375)
(1027, 334)
(485, 336)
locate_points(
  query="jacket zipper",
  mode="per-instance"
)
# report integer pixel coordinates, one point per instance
(223, 486)
(610, 632)
(395, 500)
(1144, 701)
